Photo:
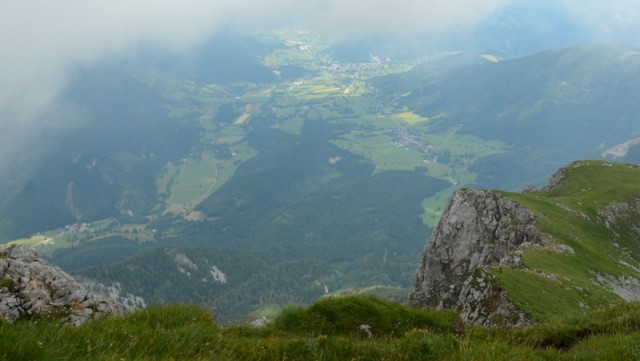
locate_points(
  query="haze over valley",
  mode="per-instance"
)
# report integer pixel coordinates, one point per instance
(240, 159)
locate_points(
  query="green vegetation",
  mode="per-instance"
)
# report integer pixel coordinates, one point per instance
(410, 117)
(192, 182)
(332, 329)
(544, 122)
(562, 281)
(176, 332)
(343, 316)
(389, 293)
(8, 284)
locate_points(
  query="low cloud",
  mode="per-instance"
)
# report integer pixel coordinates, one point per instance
(608, 21)
(43, 41)
(399, 16)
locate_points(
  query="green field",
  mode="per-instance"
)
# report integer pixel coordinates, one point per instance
(191, 182)
(292, 126)
(410, 118)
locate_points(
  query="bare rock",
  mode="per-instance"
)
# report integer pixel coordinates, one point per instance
(624, 214)
(30, 286)
(627, 288)
(554, 181)
(261, 322)
(478, 229)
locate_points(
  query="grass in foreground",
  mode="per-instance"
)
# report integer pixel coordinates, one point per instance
(327, 330)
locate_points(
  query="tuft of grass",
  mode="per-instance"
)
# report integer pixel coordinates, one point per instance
(8, 284)
(345, 315)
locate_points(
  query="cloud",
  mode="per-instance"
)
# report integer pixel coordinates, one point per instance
(608, 21)
(404, 16)
(43, 40)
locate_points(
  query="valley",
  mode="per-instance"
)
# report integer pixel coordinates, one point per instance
(293, 158)
(320, 180)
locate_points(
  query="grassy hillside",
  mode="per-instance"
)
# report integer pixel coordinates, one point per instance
(590, 223)
(327, 330)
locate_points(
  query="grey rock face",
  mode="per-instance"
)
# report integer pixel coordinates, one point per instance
(627, 288)
(555, 181)
(622, 213)
(30, 286)
(478, 229)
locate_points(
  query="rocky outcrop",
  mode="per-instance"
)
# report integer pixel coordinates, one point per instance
(30, 286)
(478, 229)
(622, 215)
(555, 181)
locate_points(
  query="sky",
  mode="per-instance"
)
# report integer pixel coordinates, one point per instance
(43, 41)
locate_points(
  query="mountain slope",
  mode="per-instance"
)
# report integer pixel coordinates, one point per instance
(551, 108)
(507, 258)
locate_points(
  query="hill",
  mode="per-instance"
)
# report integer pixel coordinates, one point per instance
(511, 258)
(551, 107)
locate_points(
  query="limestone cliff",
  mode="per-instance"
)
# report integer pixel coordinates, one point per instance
(573, 247)
(30, 286)
(478, 229)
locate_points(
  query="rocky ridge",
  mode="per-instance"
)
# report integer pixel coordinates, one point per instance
(29, 286)
(590, 214)
(478, 229)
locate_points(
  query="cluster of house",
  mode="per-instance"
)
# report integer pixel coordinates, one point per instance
(76, 227)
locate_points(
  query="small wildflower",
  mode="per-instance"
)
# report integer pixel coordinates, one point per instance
(458, 328)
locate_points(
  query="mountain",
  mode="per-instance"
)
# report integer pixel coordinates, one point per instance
(234, 284)
(225, 58)
(128, 123)
(331, 328)
(503, 258)
(124, 137)
(527, 27)
(518, 29)
(550, 108)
